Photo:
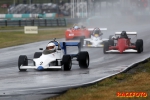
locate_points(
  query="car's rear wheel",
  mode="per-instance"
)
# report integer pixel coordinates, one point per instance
(106, 47)
(66, 62)
(83, 59)
(139, 45)
(23, 60)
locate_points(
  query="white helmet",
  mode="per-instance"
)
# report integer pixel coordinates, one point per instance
(76, 27)
(51, 46)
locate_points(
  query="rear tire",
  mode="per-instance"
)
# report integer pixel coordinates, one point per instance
(67, 63)
(23, 60)
(83, 59)
(106, 47)
(139, 45)
(37, 54)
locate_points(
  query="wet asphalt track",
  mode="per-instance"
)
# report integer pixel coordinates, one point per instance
(36, 85)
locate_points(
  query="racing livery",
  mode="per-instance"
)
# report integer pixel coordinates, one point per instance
(77, 32)
(55, 57)
(96, 39)
(123, 43)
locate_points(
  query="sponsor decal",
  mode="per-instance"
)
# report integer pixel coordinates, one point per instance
(131, 94)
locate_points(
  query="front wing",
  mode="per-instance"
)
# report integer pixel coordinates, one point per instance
(35, 67)
(93, 43)
(117, 51)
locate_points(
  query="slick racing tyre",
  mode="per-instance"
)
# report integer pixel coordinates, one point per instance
(106, 47)
(23, 60)
(37, 54)
(67, 63)
(83, 59)
(111, 42)
(139, 45)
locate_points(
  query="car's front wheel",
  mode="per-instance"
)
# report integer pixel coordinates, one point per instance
(66, 62)
(23, 60)
(106, 47)
(139, 45)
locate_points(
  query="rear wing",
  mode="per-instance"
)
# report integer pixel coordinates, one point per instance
(128, 33)
(102, 29)
(63, 45)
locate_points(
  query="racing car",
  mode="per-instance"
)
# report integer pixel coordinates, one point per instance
(123, 43)
(55, 57)
(96, 39)
(77, 32)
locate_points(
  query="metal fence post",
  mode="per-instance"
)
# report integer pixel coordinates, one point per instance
(19, 22)
(57, 22)
(5, 22)
(32, 22)
(65, 22)
(45, 22)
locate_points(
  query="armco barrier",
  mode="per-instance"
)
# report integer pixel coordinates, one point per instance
(12, 16)
(34, 22)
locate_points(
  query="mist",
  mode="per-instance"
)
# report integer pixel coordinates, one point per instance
(117, 13)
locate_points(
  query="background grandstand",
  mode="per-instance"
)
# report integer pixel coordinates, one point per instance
(73, 8)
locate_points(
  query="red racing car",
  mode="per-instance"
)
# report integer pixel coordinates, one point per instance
(77, 32)
(123, 43)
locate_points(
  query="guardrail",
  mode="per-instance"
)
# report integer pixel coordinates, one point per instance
(34, 22)
(13, 16)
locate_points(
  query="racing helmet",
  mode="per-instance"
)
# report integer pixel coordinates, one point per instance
(123, 34)
(97, 33)
(76, 27)
(51, 46)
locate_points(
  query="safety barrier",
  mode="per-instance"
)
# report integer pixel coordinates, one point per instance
(34, 22)
(11, 16)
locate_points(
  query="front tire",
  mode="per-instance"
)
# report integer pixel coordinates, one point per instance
(111, 42)
(23, 60)
(67, 63)
(106, 47)
(83, 59)
(139, 45)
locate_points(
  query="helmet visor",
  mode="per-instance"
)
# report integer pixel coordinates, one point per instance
(50, 47)
(96, 35)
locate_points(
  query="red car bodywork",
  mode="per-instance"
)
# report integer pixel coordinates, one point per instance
(73, 33)
(122, 45)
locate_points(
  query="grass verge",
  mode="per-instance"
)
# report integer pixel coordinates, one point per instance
(17, 38)
(135, 80)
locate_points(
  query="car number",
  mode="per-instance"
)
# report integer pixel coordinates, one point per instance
(71, 34)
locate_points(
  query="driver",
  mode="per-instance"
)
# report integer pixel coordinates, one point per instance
(50, 48)
(97, 33)
(123, 35)
(76, 27)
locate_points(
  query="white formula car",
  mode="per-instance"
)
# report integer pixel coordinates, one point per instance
(96, 39)
(59, 59)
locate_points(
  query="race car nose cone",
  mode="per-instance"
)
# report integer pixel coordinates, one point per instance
(40, 68)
